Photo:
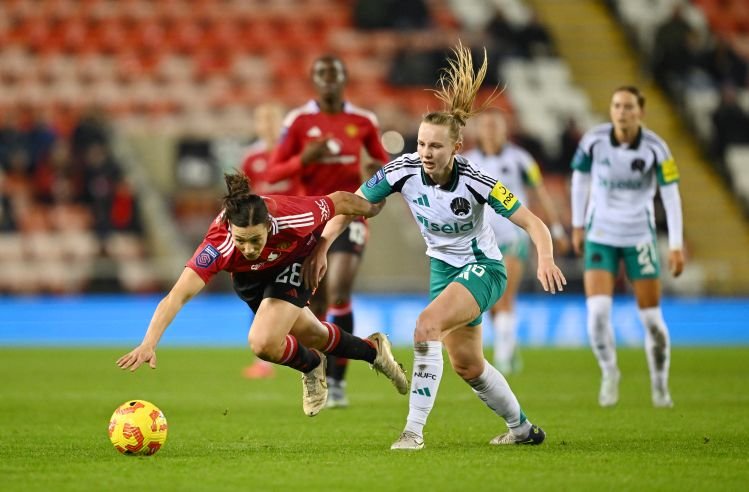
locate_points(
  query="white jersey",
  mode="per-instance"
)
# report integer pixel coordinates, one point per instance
(451, 217)
(623, 184)
(516, 169)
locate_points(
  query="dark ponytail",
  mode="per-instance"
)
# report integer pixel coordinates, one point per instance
(242, 208)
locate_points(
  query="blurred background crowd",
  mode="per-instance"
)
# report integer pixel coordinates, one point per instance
(117, 118)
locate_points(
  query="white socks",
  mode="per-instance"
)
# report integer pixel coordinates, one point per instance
(492, 388)
(424, 383)
(601, 332)
(657, 345)
(505, 338)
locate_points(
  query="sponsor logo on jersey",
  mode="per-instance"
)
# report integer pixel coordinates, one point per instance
(638, 165)
(460, 206)
(454, 228)
(324, 209)
(207, 256)
(504, 196)
(376, 178)
(352, 130)
(627, 184)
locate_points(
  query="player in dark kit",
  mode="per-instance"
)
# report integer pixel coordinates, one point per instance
(262, 242)
(322, 142)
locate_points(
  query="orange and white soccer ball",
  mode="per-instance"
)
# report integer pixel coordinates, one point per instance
(137, 427)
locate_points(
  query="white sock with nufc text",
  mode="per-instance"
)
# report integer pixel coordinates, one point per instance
(425, 382)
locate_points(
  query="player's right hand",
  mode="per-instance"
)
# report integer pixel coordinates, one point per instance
(314, 151)
(578, 240)
(139, 355)
(314, 267)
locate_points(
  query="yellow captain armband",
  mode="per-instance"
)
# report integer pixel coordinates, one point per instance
(504, 196)
(533, 174)
(669, 171)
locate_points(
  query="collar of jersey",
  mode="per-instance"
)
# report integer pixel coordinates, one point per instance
(635, 143)
(450, 186)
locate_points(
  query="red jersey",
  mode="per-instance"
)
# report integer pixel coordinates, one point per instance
(350, 129)
(292, 221)
(255, 166)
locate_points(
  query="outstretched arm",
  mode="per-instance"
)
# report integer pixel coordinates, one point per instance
(548, 273)
(347, 206)
(186, 287)
(354, 204)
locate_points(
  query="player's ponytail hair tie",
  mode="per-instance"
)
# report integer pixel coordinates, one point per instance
(458, 88)
(241, 207)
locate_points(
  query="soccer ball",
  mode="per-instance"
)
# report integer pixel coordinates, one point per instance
(137, 427)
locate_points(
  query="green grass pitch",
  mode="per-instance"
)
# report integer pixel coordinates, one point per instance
(228, 433)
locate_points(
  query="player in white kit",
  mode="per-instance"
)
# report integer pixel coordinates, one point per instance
(447, 195)
(501, 159)
(616, 170)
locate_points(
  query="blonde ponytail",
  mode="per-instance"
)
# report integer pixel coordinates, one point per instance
(458, 88)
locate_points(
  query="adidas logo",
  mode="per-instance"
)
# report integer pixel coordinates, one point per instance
(422, 200)
(422, 392)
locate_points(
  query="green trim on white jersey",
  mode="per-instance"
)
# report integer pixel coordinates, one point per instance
(620, 209)
(451, 219)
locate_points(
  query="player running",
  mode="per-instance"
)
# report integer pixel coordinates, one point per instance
(615, 171)
(323, 142)
(262, 242)
(517, 169)
(447, 195)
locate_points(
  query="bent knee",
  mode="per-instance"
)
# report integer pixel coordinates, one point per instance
(265, 348)
(428, 327)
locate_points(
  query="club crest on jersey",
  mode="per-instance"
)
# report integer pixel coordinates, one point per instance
(378, 176)
(352, 130)
(638, 165)
(206, 257)
(460, 206)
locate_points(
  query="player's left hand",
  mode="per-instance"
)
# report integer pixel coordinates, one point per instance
(314, 267)
(136, 357)
(551, 277)
(676, 262)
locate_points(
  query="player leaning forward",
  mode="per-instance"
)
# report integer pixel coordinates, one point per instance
(262, 241)
(447, 195)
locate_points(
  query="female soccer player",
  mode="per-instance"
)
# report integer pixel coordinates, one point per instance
(619, 165)
(263, 241)
(323, 142)
(447, 195)
(518, 170)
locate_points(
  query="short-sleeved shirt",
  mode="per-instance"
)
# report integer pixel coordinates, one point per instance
(292, 221)
(624, 177)
(516, 169)
(351, 129)
(451, 217)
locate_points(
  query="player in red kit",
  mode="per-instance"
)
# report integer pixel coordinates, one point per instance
(262, 242)
(267, 119)
(322, 142)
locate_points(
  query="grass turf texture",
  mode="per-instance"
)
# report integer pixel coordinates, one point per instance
(228, 433)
